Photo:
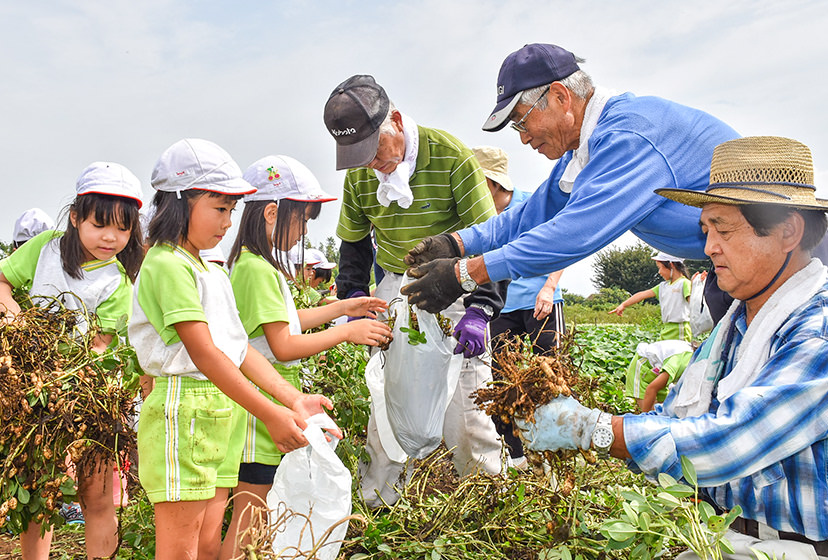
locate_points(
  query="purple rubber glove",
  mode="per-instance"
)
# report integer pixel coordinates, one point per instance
(470, 332)
(356, 293)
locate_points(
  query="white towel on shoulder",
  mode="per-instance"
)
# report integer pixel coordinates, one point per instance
(700, 377)
(580, 156)
(394, 186)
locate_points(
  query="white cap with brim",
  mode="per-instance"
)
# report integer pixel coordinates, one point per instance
(664, 257)
(195, 164)
(282, 177)
(317, 259)
(113, 179)
(30, 223)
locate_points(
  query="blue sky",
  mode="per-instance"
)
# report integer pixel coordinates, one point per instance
(121, 81)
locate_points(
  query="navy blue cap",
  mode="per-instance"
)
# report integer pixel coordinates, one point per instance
(534, 65)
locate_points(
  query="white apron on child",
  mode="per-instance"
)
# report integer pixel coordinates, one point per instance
(216, 294)
(99, 281)
(294, 325)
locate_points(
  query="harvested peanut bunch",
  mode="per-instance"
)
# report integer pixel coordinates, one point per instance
(528, 381)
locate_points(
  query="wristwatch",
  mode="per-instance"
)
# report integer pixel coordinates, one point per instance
(603, 437)
(466, 282)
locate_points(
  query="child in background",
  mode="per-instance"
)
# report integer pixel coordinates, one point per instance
(187, 334)
(30, 223)
(92, 264)
(275, 217)
(673, 296)
(318, 271)
(657, 366)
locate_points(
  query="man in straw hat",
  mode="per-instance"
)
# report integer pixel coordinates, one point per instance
(612, 151)
(750, 411)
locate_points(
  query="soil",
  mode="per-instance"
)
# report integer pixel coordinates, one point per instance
(68, 542)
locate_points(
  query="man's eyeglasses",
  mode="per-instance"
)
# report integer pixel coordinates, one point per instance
(519, 124)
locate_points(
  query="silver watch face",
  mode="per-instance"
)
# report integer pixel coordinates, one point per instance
(602, 438)
(468, 285)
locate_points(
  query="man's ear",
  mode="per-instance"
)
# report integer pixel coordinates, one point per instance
(559, 94)
(793, 228)
(396, 118)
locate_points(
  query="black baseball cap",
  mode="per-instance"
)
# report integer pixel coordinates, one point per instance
(534, 65)
(353, 114)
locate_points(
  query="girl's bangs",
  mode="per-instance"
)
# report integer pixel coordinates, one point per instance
(109, 210)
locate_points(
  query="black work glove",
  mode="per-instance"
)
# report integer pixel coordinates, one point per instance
(443, 246)
(436, 286)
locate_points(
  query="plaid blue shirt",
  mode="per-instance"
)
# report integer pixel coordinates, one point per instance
(766, 447)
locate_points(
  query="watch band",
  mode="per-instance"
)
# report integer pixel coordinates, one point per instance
(602, 436)
(466, 282)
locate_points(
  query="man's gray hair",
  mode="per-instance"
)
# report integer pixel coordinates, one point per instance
(387, 126)
(579, 83)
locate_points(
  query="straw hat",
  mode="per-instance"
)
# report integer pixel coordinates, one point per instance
(495, 165)
(757, 170)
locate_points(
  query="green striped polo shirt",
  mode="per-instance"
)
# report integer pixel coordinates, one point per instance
(450, 193)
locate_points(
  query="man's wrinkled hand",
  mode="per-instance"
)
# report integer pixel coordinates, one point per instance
(435, 286)
(442, 246)
(562, 423)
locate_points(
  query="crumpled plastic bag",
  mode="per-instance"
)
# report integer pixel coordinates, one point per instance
(313, 482)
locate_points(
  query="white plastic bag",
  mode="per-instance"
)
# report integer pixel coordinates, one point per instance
(700, 319)
(420, 380)
(312, 482)
(374, 378)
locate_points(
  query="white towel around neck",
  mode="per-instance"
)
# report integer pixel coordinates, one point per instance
(700, 377)
(580, 156)
(394, 186)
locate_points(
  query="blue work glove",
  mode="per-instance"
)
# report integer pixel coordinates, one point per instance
(436, 285)
(470, 332)
(356, 293)
(562, 423)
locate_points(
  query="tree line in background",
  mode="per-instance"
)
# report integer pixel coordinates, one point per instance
(619, 273)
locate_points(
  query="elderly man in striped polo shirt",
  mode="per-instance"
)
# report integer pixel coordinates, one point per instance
(408, 182)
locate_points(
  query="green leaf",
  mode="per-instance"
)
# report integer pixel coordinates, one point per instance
(706, 511)
(630, 513)
(520, 493)
(726, 546)
(384, 548)
(680, 490)
(23, 495)
(633, 496)
(619, 530)
(665, 480)
(733, 514)
(644, 521)
(435, 554)
(668, 499)
(565, 554)
(689, 471)
(619, 545)
(716, 523)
